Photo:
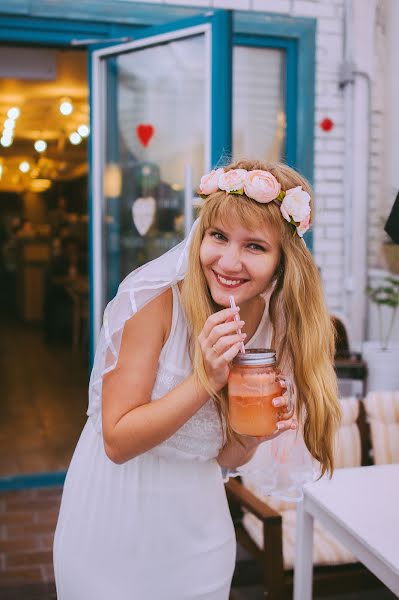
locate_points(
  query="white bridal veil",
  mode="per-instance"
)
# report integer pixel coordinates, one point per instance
(281, 466)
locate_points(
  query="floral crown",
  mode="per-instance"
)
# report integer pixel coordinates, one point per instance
(263, 187)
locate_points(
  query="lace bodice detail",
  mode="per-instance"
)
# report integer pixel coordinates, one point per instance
(201, 437)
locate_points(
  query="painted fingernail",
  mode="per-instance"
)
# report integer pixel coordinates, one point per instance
(280, 425)
(276, 402)
(243, 335)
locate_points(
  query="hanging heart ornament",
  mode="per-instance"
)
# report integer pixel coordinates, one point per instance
(144, 132)
(143, 213)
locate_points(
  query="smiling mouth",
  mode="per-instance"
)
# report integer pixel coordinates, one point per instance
(227, 282)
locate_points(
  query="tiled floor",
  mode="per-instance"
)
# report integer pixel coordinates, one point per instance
(43, 400)
(27, 521)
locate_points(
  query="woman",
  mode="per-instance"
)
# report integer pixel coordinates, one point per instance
(144, 513)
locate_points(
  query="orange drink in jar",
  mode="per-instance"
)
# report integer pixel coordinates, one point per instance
(253, 383)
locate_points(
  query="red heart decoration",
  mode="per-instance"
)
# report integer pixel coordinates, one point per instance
(144, 132)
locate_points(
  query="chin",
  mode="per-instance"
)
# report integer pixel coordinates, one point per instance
(221, 296)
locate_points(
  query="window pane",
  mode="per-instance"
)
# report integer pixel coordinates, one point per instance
(156, 123)
(259, 112)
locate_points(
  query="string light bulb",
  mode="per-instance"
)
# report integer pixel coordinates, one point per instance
(24, 166)
(9, 124)
(6, 141)
(75, 138)
(83, 131)
(13, 113)
(40, 145)
(66, 107)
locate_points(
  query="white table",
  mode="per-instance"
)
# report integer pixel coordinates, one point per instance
(360, 507)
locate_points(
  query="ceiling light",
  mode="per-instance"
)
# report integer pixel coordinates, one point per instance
(40, 185)
(40, 145)
(13, 113)
(9, 124)
(6, 141)
(66, 107)
(8, 134)
(83, 131)
(24, 166)
(75, 138)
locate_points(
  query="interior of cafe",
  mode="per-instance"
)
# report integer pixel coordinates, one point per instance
(44, 129)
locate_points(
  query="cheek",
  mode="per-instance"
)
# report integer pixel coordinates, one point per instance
(266, 269)
(206, 254)
(202, 254)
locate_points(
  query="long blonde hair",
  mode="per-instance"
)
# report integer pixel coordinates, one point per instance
(303, 334)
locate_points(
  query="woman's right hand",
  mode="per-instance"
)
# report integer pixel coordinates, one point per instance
(220, 343)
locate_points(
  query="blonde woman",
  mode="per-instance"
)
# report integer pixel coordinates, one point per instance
(144, 513)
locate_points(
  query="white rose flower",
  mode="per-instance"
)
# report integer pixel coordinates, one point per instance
(233, 180)
(296, 205)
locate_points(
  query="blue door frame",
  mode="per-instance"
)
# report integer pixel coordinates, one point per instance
(43, 23)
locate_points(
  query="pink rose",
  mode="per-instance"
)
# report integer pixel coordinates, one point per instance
(303, 226)
(209, 182)
(233, 180)
(296, 205)
(262, 186)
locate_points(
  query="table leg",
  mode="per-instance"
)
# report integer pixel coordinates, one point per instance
(303, 572)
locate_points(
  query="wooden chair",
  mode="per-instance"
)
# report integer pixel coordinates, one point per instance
(348, 365)
(267, 545)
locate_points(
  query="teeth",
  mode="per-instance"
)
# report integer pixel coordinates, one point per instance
(228, 281)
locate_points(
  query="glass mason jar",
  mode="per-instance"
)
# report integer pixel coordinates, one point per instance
(253, 383)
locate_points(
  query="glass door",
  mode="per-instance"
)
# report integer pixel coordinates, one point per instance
(154, 115)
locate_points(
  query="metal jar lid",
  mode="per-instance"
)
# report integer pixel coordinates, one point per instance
(256, 357)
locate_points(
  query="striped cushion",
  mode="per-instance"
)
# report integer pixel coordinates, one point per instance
(327, 550)
(347, 443)
(382, 410)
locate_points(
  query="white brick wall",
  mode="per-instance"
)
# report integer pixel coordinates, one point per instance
(329, 146)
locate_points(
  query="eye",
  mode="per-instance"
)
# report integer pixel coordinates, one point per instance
(218, 236)
(256, 247)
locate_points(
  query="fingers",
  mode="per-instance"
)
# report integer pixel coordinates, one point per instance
(281, 402)
(290, 423)
(225, 342)
(219, 338)
(281, 427)
(222, 330)
(217, 318)
(231, 353)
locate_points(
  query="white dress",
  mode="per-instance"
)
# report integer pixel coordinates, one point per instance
(157, 527)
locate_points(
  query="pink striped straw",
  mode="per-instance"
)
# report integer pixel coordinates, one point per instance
(236, 318)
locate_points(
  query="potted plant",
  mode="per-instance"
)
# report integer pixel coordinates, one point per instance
(382, 356)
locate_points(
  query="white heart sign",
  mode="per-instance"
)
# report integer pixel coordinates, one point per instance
(143, 213)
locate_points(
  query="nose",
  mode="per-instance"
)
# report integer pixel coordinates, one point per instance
(230, 260)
